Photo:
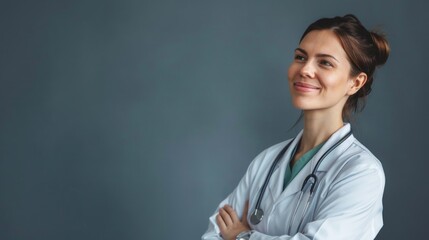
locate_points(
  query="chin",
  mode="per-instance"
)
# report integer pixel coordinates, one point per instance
(302, 105)
(305, 104)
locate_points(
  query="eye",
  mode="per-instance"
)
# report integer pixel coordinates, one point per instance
(299, 58)
(326, 63)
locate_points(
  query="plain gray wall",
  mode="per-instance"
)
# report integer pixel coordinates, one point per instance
(134, 119)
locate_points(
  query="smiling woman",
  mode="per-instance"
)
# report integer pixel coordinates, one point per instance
(353, 48)
(323, 184)
(318, 72)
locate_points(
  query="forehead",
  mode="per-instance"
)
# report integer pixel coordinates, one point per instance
(323, 42)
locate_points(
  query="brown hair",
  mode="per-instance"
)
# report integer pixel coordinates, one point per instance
(365, 49)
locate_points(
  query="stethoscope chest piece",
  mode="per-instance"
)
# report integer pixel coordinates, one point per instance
(256, 216)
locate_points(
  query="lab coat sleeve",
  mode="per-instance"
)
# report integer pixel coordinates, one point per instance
(236, 199)
(349, 209)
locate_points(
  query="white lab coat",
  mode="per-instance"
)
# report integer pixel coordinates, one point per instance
(347, 203)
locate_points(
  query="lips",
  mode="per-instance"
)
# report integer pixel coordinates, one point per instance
(305, 85)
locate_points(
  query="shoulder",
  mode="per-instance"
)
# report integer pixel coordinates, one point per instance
(358, 155)
(354, 172)
(264, 159)
(271, 152)
(359, 160)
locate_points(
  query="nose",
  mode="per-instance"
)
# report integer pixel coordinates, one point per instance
(307, 70)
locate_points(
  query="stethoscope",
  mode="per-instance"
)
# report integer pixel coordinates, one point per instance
(258, 213)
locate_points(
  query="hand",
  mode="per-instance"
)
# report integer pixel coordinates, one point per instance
(229, 223)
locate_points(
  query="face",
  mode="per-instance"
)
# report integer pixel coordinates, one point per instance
(319, 76)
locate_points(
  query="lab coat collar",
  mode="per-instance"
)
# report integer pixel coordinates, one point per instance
(276, 184)
(327, 162)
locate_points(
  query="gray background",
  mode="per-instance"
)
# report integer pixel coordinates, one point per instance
(134, 119)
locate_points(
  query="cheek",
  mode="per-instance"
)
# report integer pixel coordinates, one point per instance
(292, 72)
(330, 82)
(335, 84)
(291, 76)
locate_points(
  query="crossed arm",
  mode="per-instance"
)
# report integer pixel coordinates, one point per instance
(351, 209)
(229, 223)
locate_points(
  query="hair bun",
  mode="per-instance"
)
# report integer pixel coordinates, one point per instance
(383, 48)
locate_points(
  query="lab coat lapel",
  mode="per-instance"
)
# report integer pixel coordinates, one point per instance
(275, 185)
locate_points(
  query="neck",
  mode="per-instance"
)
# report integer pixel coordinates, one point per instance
(318, 127)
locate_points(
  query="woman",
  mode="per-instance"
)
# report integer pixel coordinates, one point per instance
(331, 73)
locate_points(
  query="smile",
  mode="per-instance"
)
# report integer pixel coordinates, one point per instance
(305, 87)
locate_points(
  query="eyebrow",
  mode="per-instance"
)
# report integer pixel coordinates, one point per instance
(317, 55)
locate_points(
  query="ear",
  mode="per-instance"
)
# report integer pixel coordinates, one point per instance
(356, 83)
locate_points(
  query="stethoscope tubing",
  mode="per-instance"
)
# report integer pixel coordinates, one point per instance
(255, 220)
(330, 150)
(270, 172)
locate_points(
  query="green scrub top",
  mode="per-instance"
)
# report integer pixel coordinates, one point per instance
(299, 165)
